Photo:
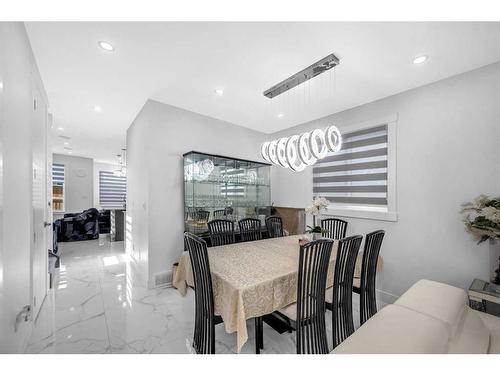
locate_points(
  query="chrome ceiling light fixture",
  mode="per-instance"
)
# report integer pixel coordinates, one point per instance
(321, 66)
(300, 151)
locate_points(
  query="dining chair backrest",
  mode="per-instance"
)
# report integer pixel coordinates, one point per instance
(202, 215)
(250, 229)
(314, 260)
(204, 325)
(274, 226)
(345, 263)
(221, 232)
(219, 214)
(191, 213)
(368, 301)
(334, 228)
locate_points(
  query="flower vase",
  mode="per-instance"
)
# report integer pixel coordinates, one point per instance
(494, 261)
(316, 236)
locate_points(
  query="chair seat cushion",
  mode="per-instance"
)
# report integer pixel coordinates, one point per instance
(441, 301)
(397, 330)
(290, 311)
(329, 291)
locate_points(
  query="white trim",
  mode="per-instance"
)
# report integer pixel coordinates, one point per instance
(364, 213)
(388, 213)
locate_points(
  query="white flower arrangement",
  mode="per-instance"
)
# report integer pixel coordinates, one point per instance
(482, 217)
(318, 204)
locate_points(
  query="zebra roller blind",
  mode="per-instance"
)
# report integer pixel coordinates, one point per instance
(58, 174)
(112, 190)
(357, 174)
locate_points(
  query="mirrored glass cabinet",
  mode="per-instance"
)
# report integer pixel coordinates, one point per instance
(220, 187)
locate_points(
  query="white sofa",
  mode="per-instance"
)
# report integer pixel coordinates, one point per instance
(429, 318)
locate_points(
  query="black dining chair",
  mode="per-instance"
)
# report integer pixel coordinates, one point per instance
(221, 232)
(219, 214)
(334, 228)
(205, 318)
(202, 215)
(339, 296)
(307, 316)
(274, 226)
(250, 229)
(366, 283)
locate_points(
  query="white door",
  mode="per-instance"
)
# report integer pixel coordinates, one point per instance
(16, 202)
(39, 264)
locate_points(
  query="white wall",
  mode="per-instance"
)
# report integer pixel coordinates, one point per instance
(78, 182)
(19, 77)
(448, 152)
(137, 216)
(155, 143)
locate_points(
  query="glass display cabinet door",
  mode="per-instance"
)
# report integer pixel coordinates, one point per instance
(223, 187)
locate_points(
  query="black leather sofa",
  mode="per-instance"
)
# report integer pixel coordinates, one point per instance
(78, 226)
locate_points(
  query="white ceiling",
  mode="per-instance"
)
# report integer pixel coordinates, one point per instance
(183, 63)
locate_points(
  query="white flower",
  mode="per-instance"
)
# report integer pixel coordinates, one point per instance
(480, 201)
(491, 213)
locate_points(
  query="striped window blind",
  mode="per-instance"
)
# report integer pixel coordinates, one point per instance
(357, 174)
(112, 190)
(58, 174)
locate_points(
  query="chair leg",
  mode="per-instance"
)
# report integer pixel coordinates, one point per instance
(261, 329)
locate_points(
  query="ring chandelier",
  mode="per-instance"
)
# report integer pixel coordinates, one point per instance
(300, 151)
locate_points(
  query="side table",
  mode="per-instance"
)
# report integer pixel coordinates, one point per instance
(484, 297)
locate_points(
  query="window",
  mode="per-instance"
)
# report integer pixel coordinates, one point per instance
(58, 187)
(360, 180)
(112, 190)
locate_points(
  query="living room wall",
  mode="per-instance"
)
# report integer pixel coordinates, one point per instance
(448, 152)
(78, 182)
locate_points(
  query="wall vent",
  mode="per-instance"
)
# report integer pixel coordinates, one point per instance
(163, 278)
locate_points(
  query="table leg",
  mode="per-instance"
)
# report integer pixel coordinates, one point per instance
(259, 339)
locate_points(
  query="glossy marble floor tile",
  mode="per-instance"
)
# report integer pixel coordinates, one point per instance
(100, 304)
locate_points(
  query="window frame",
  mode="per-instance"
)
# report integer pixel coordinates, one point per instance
(386, 213)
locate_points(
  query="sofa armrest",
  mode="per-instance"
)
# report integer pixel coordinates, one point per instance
(397, 330)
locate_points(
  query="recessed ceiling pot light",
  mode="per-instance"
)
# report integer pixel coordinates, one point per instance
(106, 46)
(420, 59)
(97, 108)
(219, 92)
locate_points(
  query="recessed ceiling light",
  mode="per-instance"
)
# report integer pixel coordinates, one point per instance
(66, 143)
(97, 108)
(420, 59)
(281, 115)
(70, 152)
(106, 46)
(60, 129)
(219, 92)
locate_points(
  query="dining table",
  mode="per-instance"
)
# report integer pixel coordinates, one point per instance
(252, 279)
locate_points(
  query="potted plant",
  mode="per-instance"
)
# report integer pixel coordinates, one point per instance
(482, 220)
(318, 204)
